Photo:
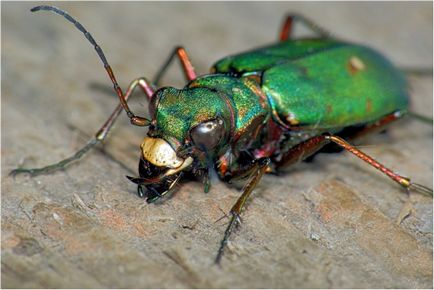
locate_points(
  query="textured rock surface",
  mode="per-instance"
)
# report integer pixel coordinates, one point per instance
(330, 223)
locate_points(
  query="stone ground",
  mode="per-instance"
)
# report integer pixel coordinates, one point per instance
(330, 223)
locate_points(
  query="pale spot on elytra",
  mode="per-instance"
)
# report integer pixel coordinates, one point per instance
(355, 64)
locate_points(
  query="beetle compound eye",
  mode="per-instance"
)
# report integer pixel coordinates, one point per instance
(208, 134)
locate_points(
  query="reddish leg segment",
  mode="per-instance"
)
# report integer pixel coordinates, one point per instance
(286, 31)
(310, 146)
(187, 67)
(146, 88)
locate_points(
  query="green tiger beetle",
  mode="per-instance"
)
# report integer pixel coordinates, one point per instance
(256, 112)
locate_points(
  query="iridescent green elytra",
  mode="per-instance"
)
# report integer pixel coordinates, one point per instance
(323, 83)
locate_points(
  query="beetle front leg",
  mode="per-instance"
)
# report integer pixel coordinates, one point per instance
(257, 169)
(187, 67)
(286, 31)
(99, 137)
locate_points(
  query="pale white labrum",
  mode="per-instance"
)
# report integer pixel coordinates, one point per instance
(158, 152)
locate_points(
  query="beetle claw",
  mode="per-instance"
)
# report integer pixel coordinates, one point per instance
(421, 189)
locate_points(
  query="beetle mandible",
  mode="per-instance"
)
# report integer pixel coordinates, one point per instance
(256, 112)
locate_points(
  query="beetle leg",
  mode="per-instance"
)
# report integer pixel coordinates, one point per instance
(300, 152)
(312, 145)
(185, 62)
(99, 136)
(403, 181)
(146, 88)
(286, 31)
(258, 169)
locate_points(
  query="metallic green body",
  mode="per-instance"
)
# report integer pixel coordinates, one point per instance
(324, 84)
(275, 97)
(234, 100)
(249, 108)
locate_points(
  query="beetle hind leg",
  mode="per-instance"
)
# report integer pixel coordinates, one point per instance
(403, 181)
(312, 145)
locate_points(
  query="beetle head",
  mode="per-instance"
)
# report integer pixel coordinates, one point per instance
(189, 128)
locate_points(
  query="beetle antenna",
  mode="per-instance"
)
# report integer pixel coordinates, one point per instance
(139, 121)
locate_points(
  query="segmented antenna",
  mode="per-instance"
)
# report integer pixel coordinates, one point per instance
(139, 121)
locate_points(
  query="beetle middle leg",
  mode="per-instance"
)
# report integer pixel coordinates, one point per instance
(99, 137)
(286, 30)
